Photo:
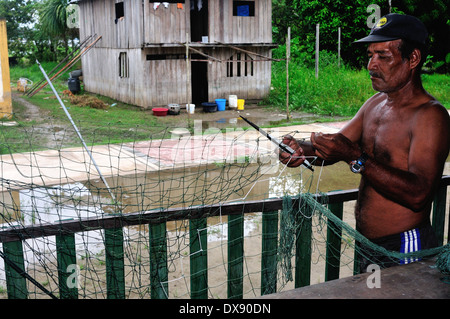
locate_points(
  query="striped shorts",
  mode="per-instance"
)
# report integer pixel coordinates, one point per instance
(410, 242)
(421, 237)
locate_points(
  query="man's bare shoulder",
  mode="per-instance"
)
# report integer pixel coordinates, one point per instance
(375, 99)
(432, 122)
(435, 111)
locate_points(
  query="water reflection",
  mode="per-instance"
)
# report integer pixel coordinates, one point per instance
(205, 185)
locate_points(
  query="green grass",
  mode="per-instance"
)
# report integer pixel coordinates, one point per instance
(438, 85)
(337, 91)
(118, 123)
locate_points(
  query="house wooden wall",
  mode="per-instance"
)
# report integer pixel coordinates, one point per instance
(144, 31)
(246, 87)
(98, 17)
(226, 28)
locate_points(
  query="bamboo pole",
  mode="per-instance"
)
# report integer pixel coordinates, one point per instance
(80, 46)
(73, 61)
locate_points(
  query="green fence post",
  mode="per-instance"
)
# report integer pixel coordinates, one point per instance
(198, 238)
(235, 256)
(438, 219)
(67, 266)
(16, 284)
(115, 273)
(333, 251)
(159, 287)
(303, 247)
(269, 252)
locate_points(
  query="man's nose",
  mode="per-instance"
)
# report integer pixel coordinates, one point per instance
(372, 64)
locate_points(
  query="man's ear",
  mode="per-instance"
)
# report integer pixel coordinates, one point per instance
(415, 58)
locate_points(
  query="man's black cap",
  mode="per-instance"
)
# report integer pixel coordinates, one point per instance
(395, 26)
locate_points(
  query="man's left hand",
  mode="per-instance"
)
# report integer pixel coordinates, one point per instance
(335, 147)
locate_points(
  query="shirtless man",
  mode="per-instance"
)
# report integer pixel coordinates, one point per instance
(398, 141)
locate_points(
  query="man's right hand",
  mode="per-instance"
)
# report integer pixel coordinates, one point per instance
(295, 159)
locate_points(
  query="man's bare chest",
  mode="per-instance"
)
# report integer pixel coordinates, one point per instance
(387, 137)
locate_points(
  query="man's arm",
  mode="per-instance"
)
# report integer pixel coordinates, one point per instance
(414, 187)
(350, 134)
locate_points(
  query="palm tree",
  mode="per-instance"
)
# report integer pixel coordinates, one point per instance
(52, 16)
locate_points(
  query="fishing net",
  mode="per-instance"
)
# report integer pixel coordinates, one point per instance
(162, 213)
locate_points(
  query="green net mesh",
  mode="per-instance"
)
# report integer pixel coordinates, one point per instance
(48, 182)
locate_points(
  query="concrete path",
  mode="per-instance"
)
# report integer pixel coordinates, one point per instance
(56, 167)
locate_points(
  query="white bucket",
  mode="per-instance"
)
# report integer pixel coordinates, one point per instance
(190, 108)
(232, 101)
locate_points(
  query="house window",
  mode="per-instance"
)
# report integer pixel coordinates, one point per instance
(123, 65)
(157, 57)
(244, 8)
(240, 64)
(120, 11)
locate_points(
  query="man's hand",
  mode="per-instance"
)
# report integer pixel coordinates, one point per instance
(295, 159)
(335, 147)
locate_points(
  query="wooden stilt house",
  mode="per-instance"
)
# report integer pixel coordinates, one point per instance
(141, 58)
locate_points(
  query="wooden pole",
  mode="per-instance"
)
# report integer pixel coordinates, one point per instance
(265, 58)
(288, 57)
(339, 46)
(317, 50)
(71, 63)
(188, 80)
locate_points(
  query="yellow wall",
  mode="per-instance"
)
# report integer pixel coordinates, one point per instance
(5, 86)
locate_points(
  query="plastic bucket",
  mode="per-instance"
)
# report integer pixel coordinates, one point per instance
(209, 107)
(240, 104)
(232, 101)
(74, 85)
(190, 108)
(160, 111)
(221, 104)
(174, 109)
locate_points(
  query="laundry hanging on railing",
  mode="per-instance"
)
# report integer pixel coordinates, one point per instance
(157, 4)
(199, 5)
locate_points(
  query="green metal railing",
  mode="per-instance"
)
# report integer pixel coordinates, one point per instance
(65, 231)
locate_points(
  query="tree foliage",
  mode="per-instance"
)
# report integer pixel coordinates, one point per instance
(19, 15)
(37, 29)
(352, 17)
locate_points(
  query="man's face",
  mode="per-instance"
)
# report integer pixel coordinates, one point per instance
(388, 71)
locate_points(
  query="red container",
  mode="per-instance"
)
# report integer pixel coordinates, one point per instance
(160, 111)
